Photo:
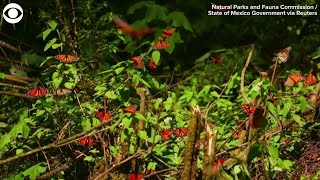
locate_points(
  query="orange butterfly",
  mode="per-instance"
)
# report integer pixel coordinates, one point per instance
(86, 141)
(248, 109)
(166, 134)
(218, 161)
(168, 33)
(37, 92)
(130, 30)
(310, 80)
(293, 79)
(236, 134)
(217, 60)
(103, 116)
(161, 44)
(60, 92)
(133, 176)
(149, 171)
(138, 61)
(152, 65)
(66, 58)
(131, 109)
(283, 54)
(181, 132)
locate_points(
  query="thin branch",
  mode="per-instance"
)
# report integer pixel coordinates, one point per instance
(10, 47)
(242, 89)
(15, 86)
(53, 172)
(14, 94)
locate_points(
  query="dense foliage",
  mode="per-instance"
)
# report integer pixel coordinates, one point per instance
(173, 94)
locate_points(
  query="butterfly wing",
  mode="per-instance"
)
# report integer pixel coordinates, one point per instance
(293, 79)
(103, 116)
(217, 60)
(248, 109)
(166, 134)
(310, 80)
(131, 109)
(181, 132)
(61, 92)
(83, 141)
(161, 44)
(168, 33)
(283, 54)
(37, 92)
(130, 30)
(133, 176)
(66, 58)
(152, 65)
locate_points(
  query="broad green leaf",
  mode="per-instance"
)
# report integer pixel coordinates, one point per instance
(136, 79)
(55, 46)
(69, 85)
(156, 56)
(145, 83)
(113, 150)
(297, 119)
(2, 75)
(303, 104)
(19, 151)
(142, 134)
(88, 158)
(274, 153)
(39, 112)
(111, 95)
(179, 19)
(46, 33)
(34, 171)
(5, 139)
(119, 70)
(50, 43)
(140, 116)
(155, 83)
(52, 24)
(126, 122)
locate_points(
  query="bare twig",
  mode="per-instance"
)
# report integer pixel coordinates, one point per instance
(14, 94)
(15, 86)
(242, 89)
(53, 172)
(10, 47)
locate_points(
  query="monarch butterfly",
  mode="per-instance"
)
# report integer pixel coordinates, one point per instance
(161, 44)
(66, 58)
(181, 132)
(138, 61)
(217, 60)
(168, 33)
(166, 134)
(130, 30)
(293, 79)
(219, 161)
(310, 80)
(86, 141)
(103, 116)
(152, 65)
(131, 109)
(283, 54)
(133, 176)
(61, 92)
(248, 109)
(37, 92)
(236, 134)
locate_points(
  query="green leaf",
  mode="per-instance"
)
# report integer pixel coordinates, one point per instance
(126, 122)
(53, 24)
(39, 112)
(274, 153)
(145, 83)
(136, 79)
(142, 134)
(155, 83)
(303, 104)
(34, 171)
(119, 70)
(5, 139)
(88, 158)
(156, 56)
(69, 85)
(179, 19)
(113, 150)
(297, 119)
(111, 95)
(55, 46)
(140, 116)
(19, 151)
(46, 33)
(2, 75)
(50, 43)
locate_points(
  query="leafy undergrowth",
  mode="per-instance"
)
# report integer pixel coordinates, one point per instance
(141, 117)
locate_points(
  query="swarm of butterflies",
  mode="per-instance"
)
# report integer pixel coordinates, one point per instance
(104, 116)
